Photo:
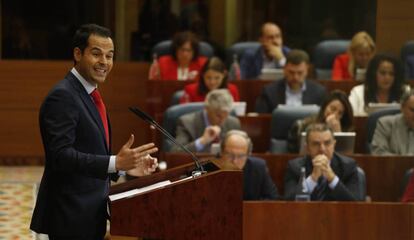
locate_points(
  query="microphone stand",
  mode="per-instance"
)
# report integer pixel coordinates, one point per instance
(199, 168)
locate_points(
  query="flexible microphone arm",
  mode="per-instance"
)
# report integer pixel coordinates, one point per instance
(144, 116)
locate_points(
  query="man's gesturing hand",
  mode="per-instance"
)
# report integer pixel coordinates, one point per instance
(129, 158)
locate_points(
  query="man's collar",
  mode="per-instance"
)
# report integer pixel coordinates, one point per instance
(89, 87)
(288, 89)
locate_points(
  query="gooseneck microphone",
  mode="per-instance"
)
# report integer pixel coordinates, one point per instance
(144, 116)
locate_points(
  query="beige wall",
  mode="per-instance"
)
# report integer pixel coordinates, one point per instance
(395, 24)
(126, 22)
(224, 21)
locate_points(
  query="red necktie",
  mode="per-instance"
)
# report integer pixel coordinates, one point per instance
(409, 191)
(97, 99)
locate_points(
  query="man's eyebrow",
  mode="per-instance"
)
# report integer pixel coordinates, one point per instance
(99, 49)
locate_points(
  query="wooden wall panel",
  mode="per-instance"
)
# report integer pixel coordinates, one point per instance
(26, 83)
(395, 24)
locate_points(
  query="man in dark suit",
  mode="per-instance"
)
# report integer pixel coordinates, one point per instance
(330, 176)
(270, 55)
(257, 183)
(294, 89)
(75, 129)
(200, 130)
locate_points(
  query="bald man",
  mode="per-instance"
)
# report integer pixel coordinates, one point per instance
(270, 55)
(257, 183)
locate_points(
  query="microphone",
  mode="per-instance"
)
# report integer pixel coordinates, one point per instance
(147, 118)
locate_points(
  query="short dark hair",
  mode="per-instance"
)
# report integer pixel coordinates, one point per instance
(81, 37)
(297, 56)
(370, 84)
(215, 64)
(347, 118)
(180, 39)
(318, 127)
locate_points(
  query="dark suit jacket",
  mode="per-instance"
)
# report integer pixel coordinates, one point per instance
(257, 183)
(72, 198)
(251, 62)
(191, 126)
(344, 167)
(275, 94)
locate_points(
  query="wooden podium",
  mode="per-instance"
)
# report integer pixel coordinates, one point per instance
(205, 207)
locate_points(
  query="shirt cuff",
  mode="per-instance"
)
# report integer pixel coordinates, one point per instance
(111, 166)
(199, 146)
(311, 184)
(282, 62)
(334, 182)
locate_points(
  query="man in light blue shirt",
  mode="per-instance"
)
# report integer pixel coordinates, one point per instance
(293, 89)
(202, 131)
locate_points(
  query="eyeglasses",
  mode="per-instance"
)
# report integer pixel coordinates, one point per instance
(233, 156)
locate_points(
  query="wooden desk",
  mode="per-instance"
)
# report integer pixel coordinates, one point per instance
(160, 92)
(384, 175)
(325, 221)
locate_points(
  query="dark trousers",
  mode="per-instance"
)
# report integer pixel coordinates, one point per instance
(53, 237)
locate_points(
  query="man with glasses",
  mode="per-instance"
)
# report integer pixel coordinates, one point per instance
(270, 55)
(329, 175)
(202, 131)
(257, 183)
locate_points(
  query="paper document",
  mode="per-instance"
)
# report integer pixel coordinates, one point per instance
(136, 191)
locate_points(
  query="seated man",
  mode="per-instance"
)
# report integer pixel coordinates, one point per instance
(330, 176)
(294, 89)
(271, 54)
(394, 135)
(200, 130)
(257, 183)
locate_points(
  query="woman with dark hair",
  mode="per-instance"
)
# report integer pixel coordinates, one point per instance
(184, 63)
(335, 111)
(213, 76)
(384, 83)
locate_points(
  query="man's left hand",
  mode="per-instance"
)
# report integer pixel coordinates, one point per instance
(145, 166)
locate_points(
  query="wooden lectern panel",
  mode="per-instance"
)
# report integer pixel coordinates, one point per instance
(205, 207)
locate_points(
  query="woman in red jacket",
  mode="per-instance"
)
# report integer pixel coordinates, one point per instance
(184, 63)
(360, 52)
(213, 76)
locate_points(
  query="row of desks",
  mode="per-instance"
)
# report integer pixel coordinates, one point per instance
(258, 128)
(159, 94)
(384, 174)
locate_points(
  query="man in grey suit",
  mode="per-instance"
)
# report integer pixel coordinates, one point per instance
(199, 131)
(394, 135)
(294, 89)
(329, 175)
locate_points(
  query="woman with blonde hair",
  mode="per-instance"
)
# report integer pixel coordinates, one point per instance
(360, 52)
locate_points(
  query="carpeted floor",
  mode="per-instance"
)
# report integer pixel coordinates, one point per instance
(18, 187)
(17, 197)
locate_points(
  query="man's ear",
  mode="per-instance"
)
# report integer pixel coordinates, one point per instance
(77, 54)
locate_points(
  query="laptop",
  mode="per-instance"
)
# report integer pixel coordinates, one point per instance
(374, 107)
(239, 108)
(345, 142)
(271, 74)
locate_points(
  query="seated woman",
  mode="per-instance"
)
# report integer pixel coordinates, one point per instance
(384, 83)
(335, 111)
(360, 51)
(184, 63)
(213, 76)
